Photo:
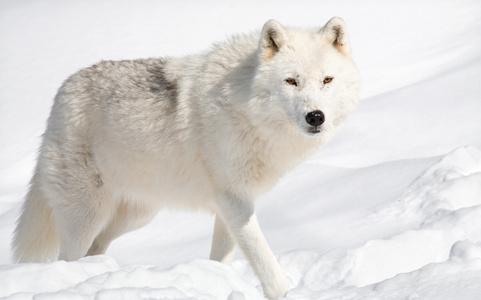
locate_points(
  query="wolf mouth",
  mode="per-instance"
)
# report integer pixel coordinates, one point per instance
(314, 130)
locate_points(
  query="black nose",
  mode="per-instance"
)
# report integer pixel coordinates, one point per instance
(315, 118)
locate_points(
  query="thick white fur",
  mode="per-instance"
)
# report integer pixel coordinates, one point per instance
(209, 131)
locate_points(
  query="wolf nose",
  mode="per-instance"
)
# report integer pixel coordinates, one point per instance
(315, 118)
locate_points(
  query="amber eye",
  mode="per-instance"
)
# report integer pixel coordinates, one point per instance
(327, 80)
(291, 81)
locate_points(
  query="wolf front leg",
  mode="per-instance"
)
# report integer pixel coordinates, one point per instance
(239, 217)
(223, 244)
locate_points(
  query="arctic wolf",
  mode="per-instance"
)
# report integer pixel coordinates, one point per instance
(210, 131)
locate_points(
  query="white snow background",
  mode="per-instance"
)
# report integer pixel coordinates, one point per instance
(388, 209)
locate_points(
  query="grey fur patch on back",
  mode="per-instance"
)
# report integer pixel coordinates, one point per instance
(160, 83)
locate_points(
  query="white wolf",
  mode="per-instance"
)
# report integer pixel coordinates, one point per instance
(209, 131)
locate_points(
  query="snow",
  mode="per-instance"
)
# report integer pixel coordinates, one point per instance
(389, 209)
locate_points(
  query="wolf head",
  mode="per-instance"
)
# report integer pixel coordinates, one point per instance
(306, 77)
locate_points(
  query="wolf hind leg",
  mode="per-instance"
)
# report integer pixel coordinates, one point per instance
(78, 226)
(82, 208)
(223, 244)
(101, 243)
(127, 217)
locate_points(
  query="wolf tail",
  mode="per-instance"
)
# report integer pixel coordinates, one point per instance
(35, 238)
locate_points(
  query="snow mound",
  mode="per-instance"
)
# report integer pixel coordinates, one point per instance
(442, 213)
(448, 186)
(465, 251)
(448, 280)
(100, 277)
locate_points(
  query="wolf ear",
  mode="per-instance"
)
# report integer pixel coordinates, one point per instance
(273, 37)
(335, 32)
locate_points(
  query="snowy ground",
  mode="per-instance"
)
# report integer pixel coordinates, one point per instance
(389, 209)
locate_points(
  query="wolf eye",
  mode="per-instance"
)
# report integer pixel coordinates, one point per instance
(291, 81)
(327, 80)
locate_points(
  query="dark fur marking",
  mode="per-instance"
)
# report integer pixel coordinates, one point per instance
(272, 38)
(98, 181)
(162, 85)
(338, 32)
